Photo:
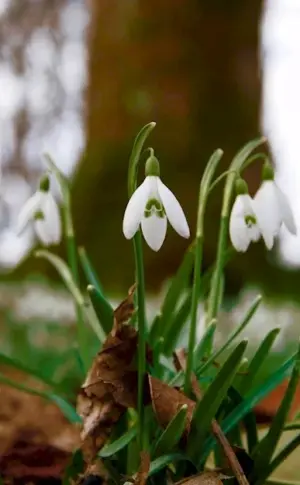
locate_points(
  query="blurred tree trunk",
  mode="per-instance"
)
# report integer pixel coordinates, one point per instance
(191, 66)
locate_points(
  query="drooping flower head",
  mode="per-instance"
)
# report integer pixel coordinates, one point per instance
(272, 206)
(42, 210)
(150, 206)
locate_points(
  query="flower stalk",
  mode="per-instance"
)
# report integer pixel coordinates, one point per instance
(203, 197)
(140, 280)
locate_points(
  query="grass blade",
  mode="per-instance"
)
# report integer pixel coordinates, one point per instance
(67, 409)
(258, 360)
(119, 444)
(206, 409)
(203, 346)
(281, 456)
(68, 279)
(90, 273)
(265, 449)
(253, 308)
(102, 307)
(172, 434)
(177, 324)
(165, 460)
(250, 401)
(178, 284)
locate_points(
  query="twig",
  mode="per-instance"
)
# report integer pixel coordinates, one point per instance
(180, 361)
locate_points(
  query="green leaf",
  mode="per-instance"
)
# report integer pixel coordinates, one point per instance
(281, 457)
(265, 449)
(102, 307)
(202, 348)
(250, 401)
(249, 420)
(66, 408)
(16, 364)
(68, 279)
(155, 330)
(75, 467)
(172, 434)
(165, 460)
(135, 155)
(119, 444)
(253, 308)
(207, 408)
(177, 324)
(257, 361)
(90, 273)
(178, 284)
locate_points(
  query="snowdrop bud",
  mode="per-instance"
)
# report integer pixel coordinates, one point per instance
(44, 184)
(267, 172)
(152, 166)
(241, 186)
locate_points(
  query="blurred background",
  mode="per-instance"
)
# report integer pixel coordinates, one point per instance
(78, 79)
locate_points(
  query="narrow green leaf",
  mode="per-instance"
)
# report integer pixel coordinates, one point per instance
(177, 324)
(206, 409)
(202, 347)
(102, 307)
(155, 330)
(172, 434)
(68, 279)
(266, 447)
(66, 408)
(90, 273)
(280, 458)
(135, 155)
(16, 364)
(75, 467)
(257, 361)
(249, 420)
(119, 444)
(178, 284)
(165, 460)
(253, 308)
(250, 401)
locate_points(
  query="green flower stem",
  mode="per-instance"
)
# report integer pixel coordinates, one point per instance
(72, 256)
(140, 279)
(139, 269)
(203, 196)
(239, 161)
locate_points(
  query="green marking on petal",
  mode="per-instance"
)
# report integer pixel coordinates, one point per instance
(250, 220)
(39, 216)
(154, 206)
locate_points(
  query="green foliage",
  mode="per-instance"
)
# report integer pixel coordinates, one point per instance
(229, 394)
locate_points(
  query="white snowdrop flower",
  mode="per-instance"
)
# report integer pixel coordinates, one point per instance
(150, 206)
(42, 210)
(244, 226)
(272, 207)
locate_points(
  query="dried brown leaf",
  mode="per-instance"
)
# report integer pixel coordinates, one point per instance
(203, 478)
(167, 402)
(111, 383)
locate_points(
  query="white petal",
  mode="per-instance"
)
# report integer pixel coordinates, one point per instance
(286, 211)
(173, 210)
(52, 218)
(48, 229)
(240, 234)
(154, 230)
(267, 212)
(27, 212)
(238, 230)
(135, 209)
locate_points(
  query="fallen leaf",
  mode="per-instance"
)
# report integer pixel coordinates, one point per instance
(204, 478)
(167, 402)
(111, 384)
